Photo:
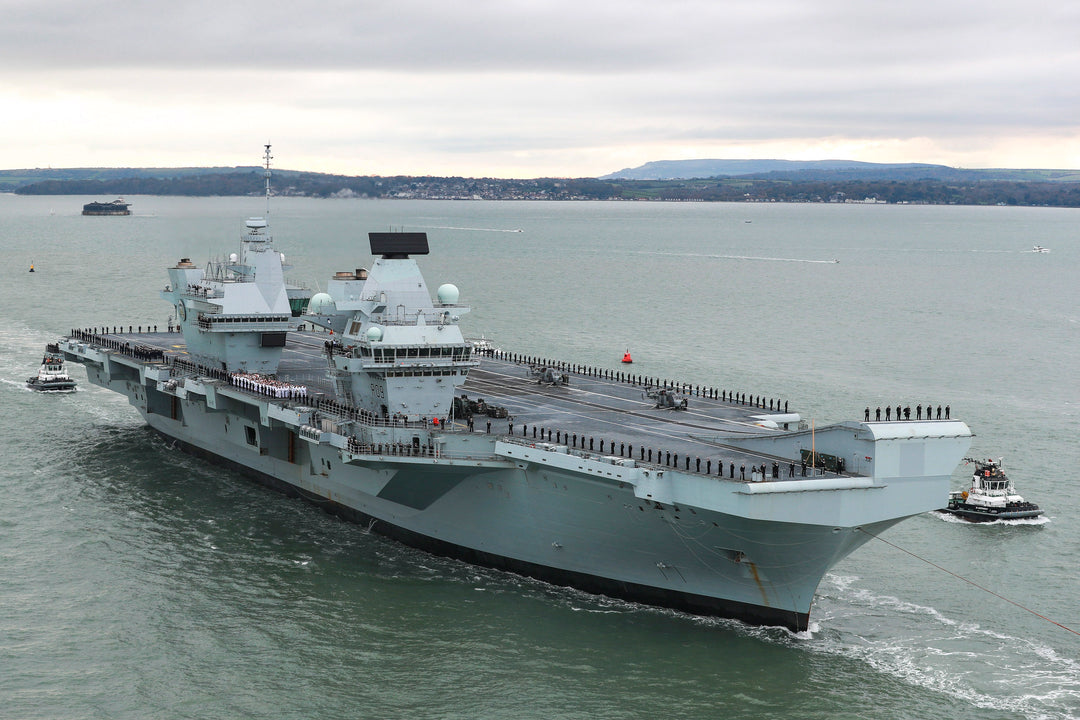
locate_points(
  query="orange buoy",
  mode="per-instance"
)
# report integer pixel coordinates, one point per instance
(626, 357)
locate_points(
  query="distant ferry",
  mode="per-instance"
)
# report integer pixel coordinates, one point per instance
(116, 207)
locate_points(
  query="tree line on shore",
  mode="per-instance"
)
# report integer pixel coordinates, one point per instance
(729, 189)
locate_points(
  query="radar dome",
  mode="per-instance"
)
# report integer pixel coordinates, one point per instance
(448, 294)
(374, 333)
(233, 257)
(321, 304)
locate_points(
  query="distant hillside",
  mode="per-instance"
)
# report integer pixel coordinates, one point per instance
(833, 181)
(689, 169)
(10, 180)
(830, 171)
(207, 182)
(215, 181)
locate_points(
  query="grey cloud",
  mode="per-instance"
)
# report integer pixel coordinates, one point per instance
(508, 75)
(486, 35)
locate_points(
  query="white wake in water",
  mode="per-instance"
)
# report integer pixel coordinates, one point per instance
(950, 518)
(988, 668)
(713, 256)
(469, 229)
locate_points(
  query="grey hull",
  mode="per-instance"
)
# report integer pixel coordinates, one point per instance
(658, 533)
(560, 527)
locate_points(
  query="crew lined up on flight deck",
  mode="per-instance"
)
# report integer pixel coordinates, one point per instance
(668, 458)
(904, 413)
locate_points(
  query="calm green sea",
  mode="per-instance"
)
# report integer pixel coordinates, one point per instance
(137, 582)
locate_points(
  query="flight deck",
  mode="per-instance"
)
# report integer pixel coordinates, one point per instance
(611, 413)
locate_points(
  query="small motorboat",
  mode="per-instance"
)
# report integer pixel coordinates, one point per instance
(990, 497)
(1040, 249)
(483, 346)
(52, 375)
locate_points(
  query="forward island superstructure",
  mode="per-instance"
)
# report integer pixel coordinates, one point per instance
(234, 314)
(692, 497)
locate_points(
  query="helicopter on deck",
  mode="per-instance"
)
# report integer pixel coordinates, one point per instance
(545, 375)
(667, 399)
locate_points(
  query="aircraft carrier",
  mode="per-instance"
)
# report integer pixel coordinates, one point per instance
(374, 405)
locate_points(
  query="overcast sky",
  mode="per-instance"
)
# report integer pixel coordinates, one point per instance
(531, 88)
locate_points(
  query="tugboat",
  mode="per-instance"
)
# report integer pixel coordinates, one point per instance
(52, 375)
(990, 497)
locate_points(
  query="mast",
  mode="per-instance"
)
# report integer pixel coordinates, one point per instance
(268, 157)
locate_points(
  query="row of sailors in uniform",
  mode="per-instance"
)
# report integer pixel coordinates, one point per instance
(268, 386)
(906, 412)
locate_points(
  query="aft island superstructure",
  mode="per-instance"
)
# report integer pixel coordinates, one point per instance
(691, 497)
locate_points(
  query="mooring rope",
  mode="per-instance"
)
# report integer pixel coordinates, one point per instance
(969, 582)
